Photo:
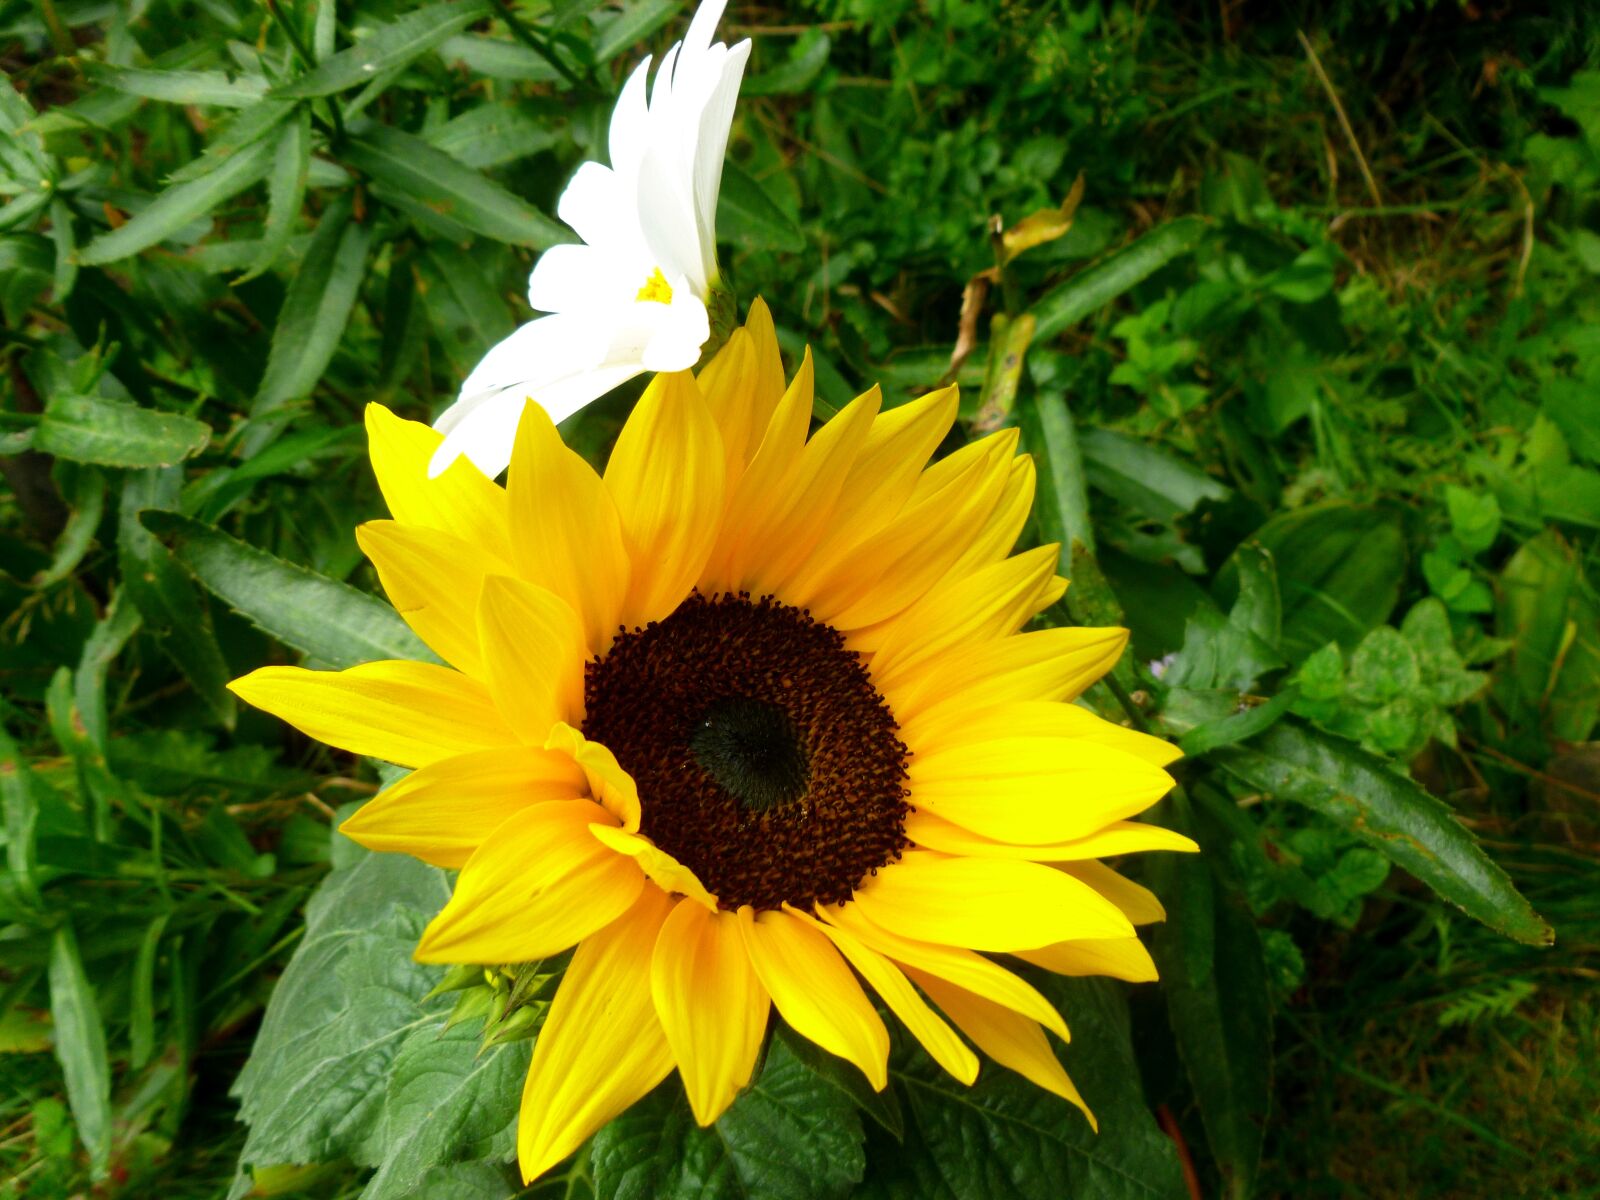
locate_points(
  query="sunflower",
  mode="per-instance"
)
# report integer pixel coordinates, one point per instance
(751, 722)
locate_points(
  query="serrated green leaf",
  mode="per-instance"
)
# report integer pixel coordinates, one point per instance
(846, 1078)
(444, 1102)
(165, 595)
(314, 1087)
(789, 1137)
(747, 216)
(424, 181)
(492, 135)
(1415, 831)
(85, 505)
(180, 204)
(330, 621)
(311, 322)
(387, 48)
(80, 1046)
(115, 433)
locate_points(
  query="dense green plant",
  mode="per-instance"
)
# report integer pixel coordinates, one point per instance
(1312, 386)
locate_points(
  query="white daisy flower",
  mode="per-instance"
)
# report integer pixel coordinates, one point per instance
(632, 296)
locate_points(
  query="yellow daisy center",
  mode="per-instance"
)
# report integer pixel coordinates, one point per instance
(656, 288)
(766, 761)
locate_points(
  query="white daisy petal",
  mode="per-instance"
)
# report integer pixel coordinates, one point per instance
(632, 296)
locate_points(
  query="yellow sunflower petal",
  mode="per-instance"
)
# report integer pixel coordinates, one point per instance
(899, 564)
(602, 1046)
(1138, 903)
(1033, 790)
(991, 603)
(999, 534)
(1045, 664)
(960, 966)
(815, 992)
(774, 524)
(410, 713)
(874, 492)
(1011, 1040)
(1120, 958)
(1120, 837)
(965, 719)
(889, 981)
(666, 872)
(712, 1006)
(462, 501)
(667, 475)
(609, 784)
(533, 650)
(444, 811)
(432, 579)
(538, 885)
(985, 904)
(566, 532)
(769, 384)
(730, 383)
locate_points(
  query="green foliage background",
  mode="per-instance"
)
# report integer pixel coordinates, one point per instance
(1314, 387)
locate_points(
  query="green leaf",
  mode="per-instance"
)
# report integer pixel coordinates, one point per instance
(748, 217)
(330, 621)
(86, 505)
(1092, 289)
(791, 1136)
(20, 807)
(386, 48)
(846, 1078)
(492, 135)
(444, 1102)
(465, 307)
(1308, 278)
(806, 59)
(286, 189)
(1003, 1138)
(1340, 568)
(1362, 795)
(180, 87)
(164, 594)
(311, 322)
(1474, 518)
(1148, 480)
(426, 182)
(81, 1048)
(115, 433)
(632, 25)
(317, 1085)
(1243, 723)
(180, 204)
(1215, 986)
(1049, 434)
(1552, 620)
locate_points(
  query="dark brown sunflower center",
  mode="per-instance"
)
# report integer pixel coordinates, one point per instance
(766, 760)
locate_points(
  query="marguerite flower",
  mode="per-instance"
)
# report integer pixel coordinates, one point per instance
(752, 723)
(633, 296)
